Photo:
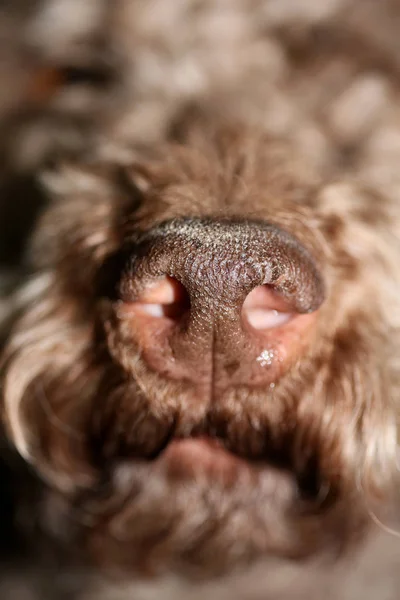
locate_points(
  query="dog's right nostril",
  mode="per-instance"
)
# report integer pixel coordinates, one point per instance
(165, 297)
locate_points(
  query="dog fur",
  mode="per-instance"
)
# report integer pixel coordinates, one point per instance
(230, 138)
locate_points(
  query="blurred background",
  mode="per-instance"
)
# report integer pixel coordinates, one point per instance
(76, 73)
(325, 74)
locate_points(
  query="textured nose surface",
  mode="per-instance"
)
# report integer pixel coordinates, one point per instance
(218, 263)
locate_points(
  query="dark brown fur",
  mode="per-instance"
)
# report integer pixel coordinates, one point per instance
(83, 407)
(73, 407)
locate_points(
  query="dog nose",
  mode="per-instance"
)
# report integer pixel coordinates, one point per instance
(218, 298)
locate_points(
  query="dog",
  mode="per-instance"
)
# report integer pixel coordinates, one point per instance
(202, 368)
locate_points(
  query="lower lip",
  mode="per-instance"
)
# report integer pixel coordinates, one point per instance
(206, 460)
(202, 458)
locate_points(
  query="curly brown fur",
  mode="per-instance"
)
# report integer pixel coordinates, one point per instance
(282, 136)
(72, 402)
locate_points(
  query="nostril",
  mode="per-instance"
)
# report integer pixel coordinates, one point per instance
(165, 297)
(264, 308)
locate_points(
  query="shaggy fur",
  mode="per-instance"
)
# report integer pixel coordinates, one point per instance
(224, 110)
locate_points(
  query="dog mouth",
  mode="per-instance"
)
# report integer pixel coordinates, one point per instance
(207, 461)
(215, 448)
(203, 456)
(201, 476)
(209, 455)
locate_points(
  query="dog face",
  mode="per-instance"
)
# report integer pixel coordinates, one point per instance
(204, 366)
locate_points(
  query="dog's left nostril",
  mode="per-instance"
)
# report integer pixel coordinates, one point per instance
(264, 308)
(165, 297)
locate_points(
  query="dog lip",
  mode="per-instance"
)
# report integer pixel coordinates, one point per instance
(205, 456)
(193, 457)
